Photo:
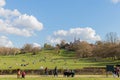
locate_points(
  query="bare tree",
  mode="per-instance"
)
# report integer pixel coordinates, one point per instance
(26, 48)
(9, 51)
(112, 37)
(29, 48)
(84, 49)
(35, 50)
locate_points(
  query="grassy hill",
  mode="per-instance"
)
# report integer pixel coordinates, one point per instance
(50, 59)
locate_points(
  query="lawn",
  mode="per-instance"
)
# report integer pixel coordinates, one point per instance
(61, 79)
(48, 58)
(13, 77)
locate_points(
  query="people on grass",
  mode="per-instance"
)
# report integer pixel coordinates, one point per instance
(55, 71)
(18, 73)
(116, 71)
(68, 73)
(46, 71)
(23, 74)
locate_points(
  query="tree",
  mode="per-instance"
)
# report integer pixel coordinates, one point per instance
(112, 38)
(84, 49)
(63, 44)
(27, 48)
(35, 50)
(57, 48)
(48, 46)
(106, 50)
(9, 51)
(98, 49)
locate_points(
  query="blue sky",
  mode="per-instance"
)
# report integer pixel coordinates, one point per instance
(50, 21)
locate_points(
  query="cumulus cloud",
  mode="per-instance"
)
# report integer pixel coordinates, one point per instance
(36, 45)
(87, 34)
(5, 42)
(115, 1)
(2, 3)
(29, 22)
(14, 22)
(13, 30)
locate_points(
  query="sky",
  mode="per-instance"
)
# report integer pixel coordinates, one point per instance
(50, 21)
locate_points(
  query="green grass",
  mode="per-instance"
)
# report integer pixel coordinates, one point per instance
(67, 53)
(59, 78)
(52, 59)
(37, 77)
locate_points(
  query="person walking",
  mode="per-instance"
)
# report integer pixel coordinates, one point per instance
(55, 71)
(46, 71)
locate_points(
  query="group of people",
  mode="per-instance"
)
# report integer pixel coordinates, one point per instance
(20, 74)
(69, 73)
(55, 71)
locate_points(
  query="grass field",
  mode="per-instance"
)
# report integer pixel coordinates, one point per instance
(84, 77)
(48, 58)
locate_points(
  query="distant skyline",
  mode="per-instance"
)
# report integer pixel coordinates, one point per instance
(50, 21)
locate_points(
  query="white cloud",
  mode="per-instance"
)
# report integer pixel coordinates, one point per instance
(36, 45)
(5, 42)
(7, 28)
(29, 22)
(115, 1)
(60, 33)
(6, 13)
(2, 3)
(14, 22)
(87, 34)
